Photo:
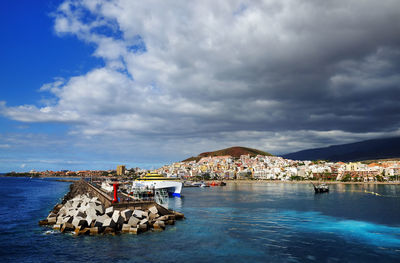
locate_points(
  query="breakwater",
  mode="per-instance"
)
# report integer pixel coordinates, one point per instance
(87, 210)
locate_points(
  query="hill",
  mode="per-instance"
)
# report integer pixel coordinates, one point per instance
(236, 151)
(358, 151)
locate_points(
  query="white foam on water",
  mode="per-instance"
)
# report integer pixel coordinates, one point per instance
(366, 232)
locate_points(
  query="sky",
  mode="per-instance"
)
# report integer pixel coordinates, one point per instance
(91, 84)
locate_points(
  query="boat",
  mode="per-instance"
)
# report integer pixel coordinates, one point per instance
(107, 186)
(199, 184)
(158, 181)
(320, 188)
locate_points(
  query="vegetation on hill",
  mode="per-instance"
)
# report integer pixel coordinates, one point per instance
(235, 151)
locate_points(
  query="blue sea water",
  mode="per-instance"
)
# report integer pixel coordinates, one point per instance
(251, 222)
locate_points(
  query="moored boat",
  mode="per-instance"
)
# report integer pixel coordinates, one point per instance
(320, 188)
(158, 181)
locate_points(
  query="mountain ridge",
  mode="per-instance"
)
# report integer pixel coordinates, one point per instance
(234, 151)
(383, 148)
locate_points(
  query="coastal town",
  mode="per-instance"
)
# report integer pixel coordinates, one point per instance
(257, 167)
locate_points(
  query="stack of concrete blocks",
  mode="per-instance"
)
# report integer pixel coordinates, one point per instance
(85, 215)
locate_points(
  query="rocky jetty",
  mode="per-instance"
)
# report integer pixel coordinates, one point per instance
(86, 215)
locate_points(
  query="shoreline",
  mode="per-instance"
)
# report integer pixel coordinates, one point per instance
(238, 181)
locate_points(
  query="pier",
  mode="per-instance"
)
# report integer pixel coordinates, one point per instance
(87, 209)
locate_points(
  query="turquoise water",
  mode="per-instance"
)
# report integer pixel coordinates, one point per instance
(267, 222)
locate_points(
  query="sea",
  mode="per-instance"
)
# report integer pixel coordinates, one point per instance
(240, 222)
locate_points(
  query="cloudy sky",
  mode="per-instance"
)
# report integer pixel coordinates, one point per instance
(93, 83)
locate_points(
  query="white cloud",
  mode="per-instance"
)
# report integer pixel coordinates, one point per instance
(204, 73)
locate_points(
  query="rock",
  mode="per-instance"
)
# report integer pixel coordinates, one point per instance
(109, 211)
(138, 213)
(57, 227)
(133, 221)
(109, 223)
(126, 228)
(126, 214)
(67, 227)
(153, 210)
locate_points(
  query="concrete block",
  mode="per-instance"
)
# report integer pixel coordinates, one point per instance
(153, 216)
(81, 213)
(95, 199)
(133, 230)
(158, 227)
(143, 227)
(91, 212)
(153, 210)
(108, 230)
(126, 214)
(138, 213)
(68, 204)
(144, 221)
(125, 228)
(94, 230)
(79, 221)
(160, 223)
(67, 227)
(100, 220)
(170, 222)
(67, 219)
(117, 218)
(133, 221)
(52, 220)
(62, 211)
(109, 223)
(59, 220)
(57, 227)
(109, 211)
(145, 214)
(90, 220)
(51, 215)
(76, 204)
(100, 209)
